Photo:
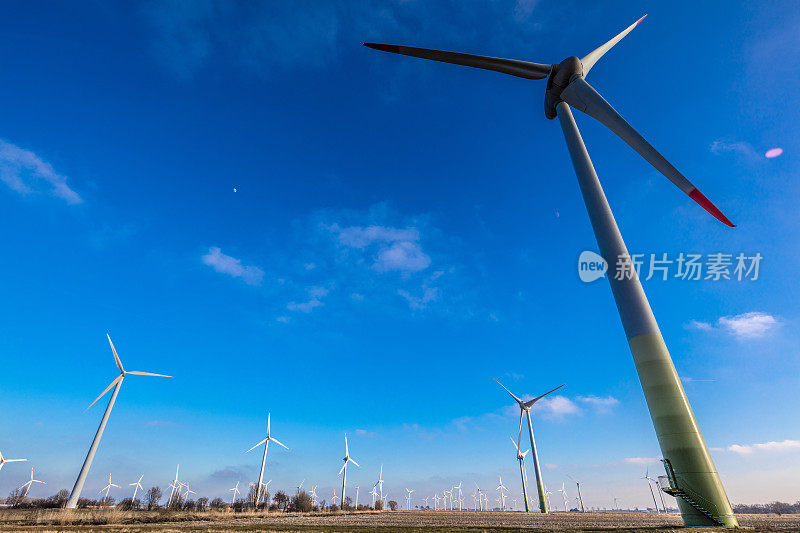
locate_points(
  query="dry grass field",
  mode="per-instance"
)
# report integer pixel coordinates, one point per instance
(387, 521)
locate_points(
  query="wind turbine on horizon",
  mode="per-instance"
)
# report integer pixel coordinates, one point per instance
(265, 442)
(408, 499)
(502, 488)
(525, 409)
(29, 483)
(3, 461)
(174, 485)
(650, 484)
(136, 486)
(523, 475)
(379, 484)
(685, 453)
(580, 497)
(563, 490)
(235, 491)
(343, 471)
(72, 502)
(107, 488)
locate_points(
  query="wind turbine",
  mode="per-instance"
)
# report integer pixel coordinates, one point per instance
(174, 485)
(186, 494)
(3, 460)
(563, 491)
(107, 488)
(343, 471)
(379, 483)
(313, 496)
(265, 487)
(265, 442)
(235, 491)
(408, 499)
(480, 494)
(521, 461)
(525, 408)
(136, 486)
(436, 502)
(548, 492)
(426, 501)
(356, 505)
(682, 445)
(650, 486)
(29, 483)
(333, 500)
(580, 498)
(374, 494)
(72, 502)
(502, 488)
(460, 495)
(300, 486)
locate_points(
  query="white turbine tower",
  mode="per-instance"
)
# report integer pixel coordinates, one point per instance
(235, 491)
(116, 384)
(136, 486)
(333, 500)
(523, 474)
(480, 497)
(379, 483)
(563, 491)
(265, 442)
(374, 494)
(27, 485)
(436, 502)
(460, 495)
(356, 505)
(313, 496)
(343, 471)
(265, 487)
(300, 486)
(502, 488)
(174, 485)
(3, 460)
(107, 488)
(408, 499)
(580, 497)
(650, 486)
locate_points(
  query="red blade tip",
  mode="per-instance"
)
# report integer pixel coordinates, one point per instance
(706, 204)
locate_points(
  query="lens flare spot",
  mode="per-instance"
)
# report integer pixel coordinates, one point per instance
(773, 153)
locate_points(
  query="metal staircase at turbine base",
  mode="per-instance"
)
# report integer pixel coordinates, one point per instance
(669, 485)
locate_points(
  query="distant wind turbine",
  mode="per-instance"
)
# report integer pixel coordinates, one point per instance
(563, 491)
(27, 485)
(502, 488)
(650, 486)
(116, 384)
(265, 442)
(235, 492)
(136, 486)
(343, 471)
(521, 461)
(175, 485)
(107, 488)
(408, 499)
(379, 483)
(580, 498)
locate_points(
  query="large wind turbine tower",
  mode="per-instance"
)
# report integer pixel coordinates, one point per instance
(690, 470)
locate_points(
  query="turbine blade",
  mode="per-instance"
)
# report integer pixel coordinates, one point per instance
(355, 463)
(113, 383)
(137, 373)
(592, 57)
(508, 391)
(582, 96)
(279, 443)
(346, 449)
(268, 417)
(114, 351)
(14, 460)
(514, 443)
(342, 470)
(256, 446)
(531, 402)
(514, 67)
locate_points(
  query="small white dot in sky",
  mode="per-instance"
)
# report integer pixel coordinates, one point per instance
(773, 153)
(234, 189)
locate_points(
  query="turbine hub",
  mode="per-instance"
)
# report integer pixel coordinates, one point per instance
(560, 76)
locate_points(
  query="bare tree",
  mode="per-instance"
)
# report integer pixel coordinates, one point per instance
(152, 496)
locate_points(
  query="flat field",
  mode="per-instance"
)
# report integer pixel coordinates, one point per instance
(386, 522)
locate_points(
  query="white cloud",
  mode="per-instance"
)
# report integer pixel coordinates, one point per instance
(642, 461)
(737, 147)
(361, 237)
(315, 296)
(226, 264)
(749, 325)
(600, 404)
(753, 325)
(404, 256)
(556, 407)
(26, 173)
(429, 294)
(771, 446)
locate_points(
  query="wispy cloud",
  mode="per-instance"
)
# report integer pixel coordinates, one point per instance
(740, 148)
(395, 249)
(315, 296)
(771, 446)
(26, 173)
(556, 407)
(601, 404)
(642, 461)
(231, 266)
(753, 325)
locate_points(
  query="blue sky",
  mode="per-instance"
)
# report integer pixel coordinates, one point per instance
(400, 233)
